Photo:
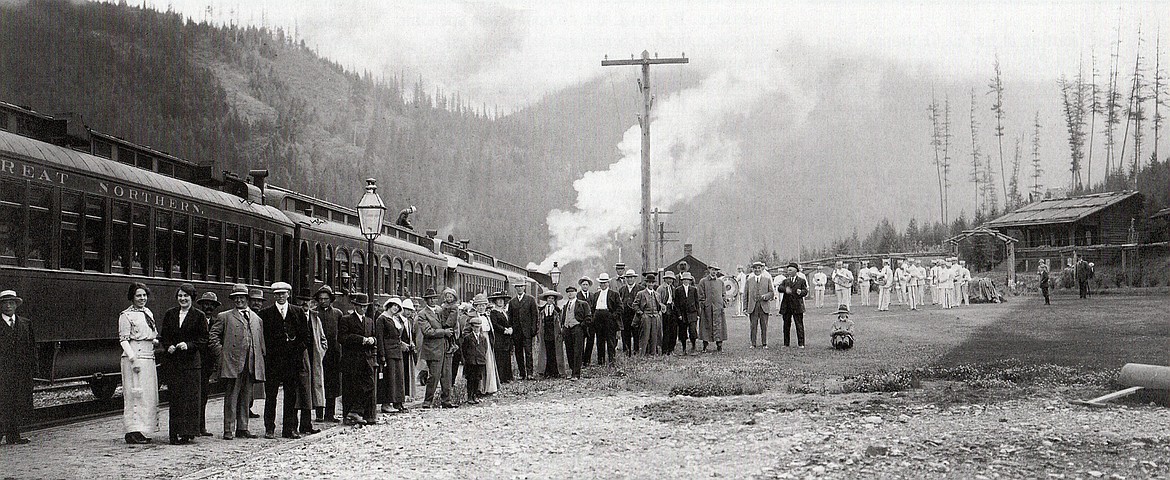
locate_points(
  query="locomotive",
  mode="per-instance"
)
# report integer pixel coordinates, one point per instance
(83, 214)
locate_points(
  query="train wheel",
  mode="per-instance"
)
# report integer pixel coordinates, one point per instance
(103, 388)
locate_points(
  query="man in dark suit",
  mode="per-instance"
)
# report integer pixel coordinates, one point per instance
(574, 317)
(331, 364)
(1083, 273)
(586, 283)
(794, 288)
(237, 339)
(18, 362)
(606, 305)
(686, 303)
(359, 363)
(436, 342)
(286, 336)
(629, 292)
(522, 311)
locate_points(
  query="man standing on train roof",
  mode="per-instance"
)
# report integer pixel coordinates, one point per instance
(759, 295)
(18, 362)
(329, 317)
(586, 283)
(843, 284)
(522, 310)
(436, 343)
(741, 308)
(404, 217)
(712, 324)
(208, 303)
(628, 292)
(237, 339)
(864, 280)
(819, 282)
(606, 305)
(286, 337)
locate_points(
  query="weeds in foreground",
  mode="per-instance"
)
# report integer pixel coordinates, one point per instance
(998, 374)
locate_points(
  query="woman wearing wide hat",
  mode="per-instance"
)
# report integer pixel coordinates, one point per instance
(138, 336)
(489, 383)
(392, 331)
(183, 335)
(549, 331)
(502, 341)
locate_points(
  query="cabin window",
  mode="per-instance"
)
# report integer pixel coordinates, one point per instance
(286, 249)
(95, 234)
(71, 207)
(125, 155)
(199, 248)
(40, 245)
(270, 257)
(342, 267)
(144, 161)
(140, 240)
(359, 271)
(166, 168)
(3, 120)
(103, 149)
(258, 273)
(231, 267)
(319, 259)
(11, 221)
(120, 238)
(214, 250)
(180, 247)
(244, 256)
(162, 243)
(329, 266)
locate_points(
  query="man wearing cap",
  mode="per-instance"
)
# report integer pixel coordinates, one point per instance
(649, 309)
(794, 288)
(237, 339)
(628, 292)
(208, 303)
(686, 303)
(18, 361)
(574, 317)
(331, 363)
(522, 311)
(606, 306)
(586, 283)
(286, 337)
(359, 363)
(712, 325)
(819, 282)
(435, 347)
(843, 284)
(759, 297)
(669, 315)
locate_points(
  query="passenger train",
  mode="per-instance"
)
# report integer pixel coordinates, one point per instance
(83, 214)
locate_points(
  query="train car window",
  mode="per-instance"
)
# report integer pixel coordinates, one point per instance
(373, 268)
(125, 155)
(342, 264)
(199, 248)
(162, 243)
(319, 260)
(139, 240)
(231, 267)
(144, 161)
(120, 253)
(11, 221)
(3, 121)
(95, 234)
(407, 277)
(306, 266)
(385, 272)
(40, 240)
(214, 250)
(180, 248)
(166, 168)
(286, 252)
(71, 241)
(243, 256)
(258, 263)
(359, 271)
(397, 274)
(329, 266)
(103, 149)
(270, 257)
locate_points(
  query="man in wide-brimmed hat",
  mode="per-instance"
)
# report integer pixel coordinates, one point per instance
(606, 305)
(794, 288)
(630, 334)
(330, 317)
(436, 341)
(17, 363)
(236, 339)
(712, 324)
(359, 363)
(523, 313)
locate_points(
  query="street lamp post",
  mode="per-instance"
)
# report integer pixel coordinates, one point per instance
(371, 212)
(555, 274)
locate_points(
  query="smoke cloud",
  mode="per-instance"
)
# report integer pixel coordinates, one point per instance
(695, 142)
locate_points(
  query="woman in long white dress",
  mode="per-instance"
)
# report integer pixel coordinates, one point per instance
(490, 383)
(138, 335)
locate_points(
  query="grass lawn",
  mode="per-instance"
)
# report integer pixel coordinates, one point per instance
(1095, 337)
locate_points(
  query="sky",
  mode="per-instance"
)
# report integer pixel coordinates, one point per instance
(511, 53)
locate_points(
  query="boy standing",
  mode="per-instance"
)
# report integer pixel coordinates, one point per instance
(473, 345)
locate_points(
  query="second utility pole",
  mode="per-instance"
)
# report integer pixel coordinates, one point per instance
(644, 121)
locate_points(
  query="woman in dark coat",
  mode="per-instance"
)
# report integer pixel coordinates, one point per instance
(502, 342)
(391, 331)
(183, 335)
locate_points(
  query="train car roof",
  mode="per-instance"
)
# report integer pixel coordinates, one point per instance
(456, 262)
(111, 170)
(356, 233)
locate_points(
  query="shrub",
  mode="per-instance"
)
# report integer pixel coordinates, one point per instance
(1119, 279)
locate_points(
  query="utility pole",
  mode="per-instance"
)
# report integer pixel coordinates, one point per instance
(659, 249)
(644, 122)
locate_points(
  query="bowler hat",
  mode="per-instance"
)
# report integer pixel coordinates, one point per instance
(256, 294)
(281, 287)
(793, 265)
(209, 297)
(11, 295)
(359, 299)
(239, 290)
(650, 276)
(430, 293)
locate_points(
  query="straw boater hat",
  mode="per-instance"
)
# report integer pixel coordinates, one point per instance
(757, 264)
(281, 287)
(209, 297)
(603, 278)
(239, 290)
(359, 299)
(841, 309)
(629, 273)
(479, 299)
(11, 295)
(499, 295)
